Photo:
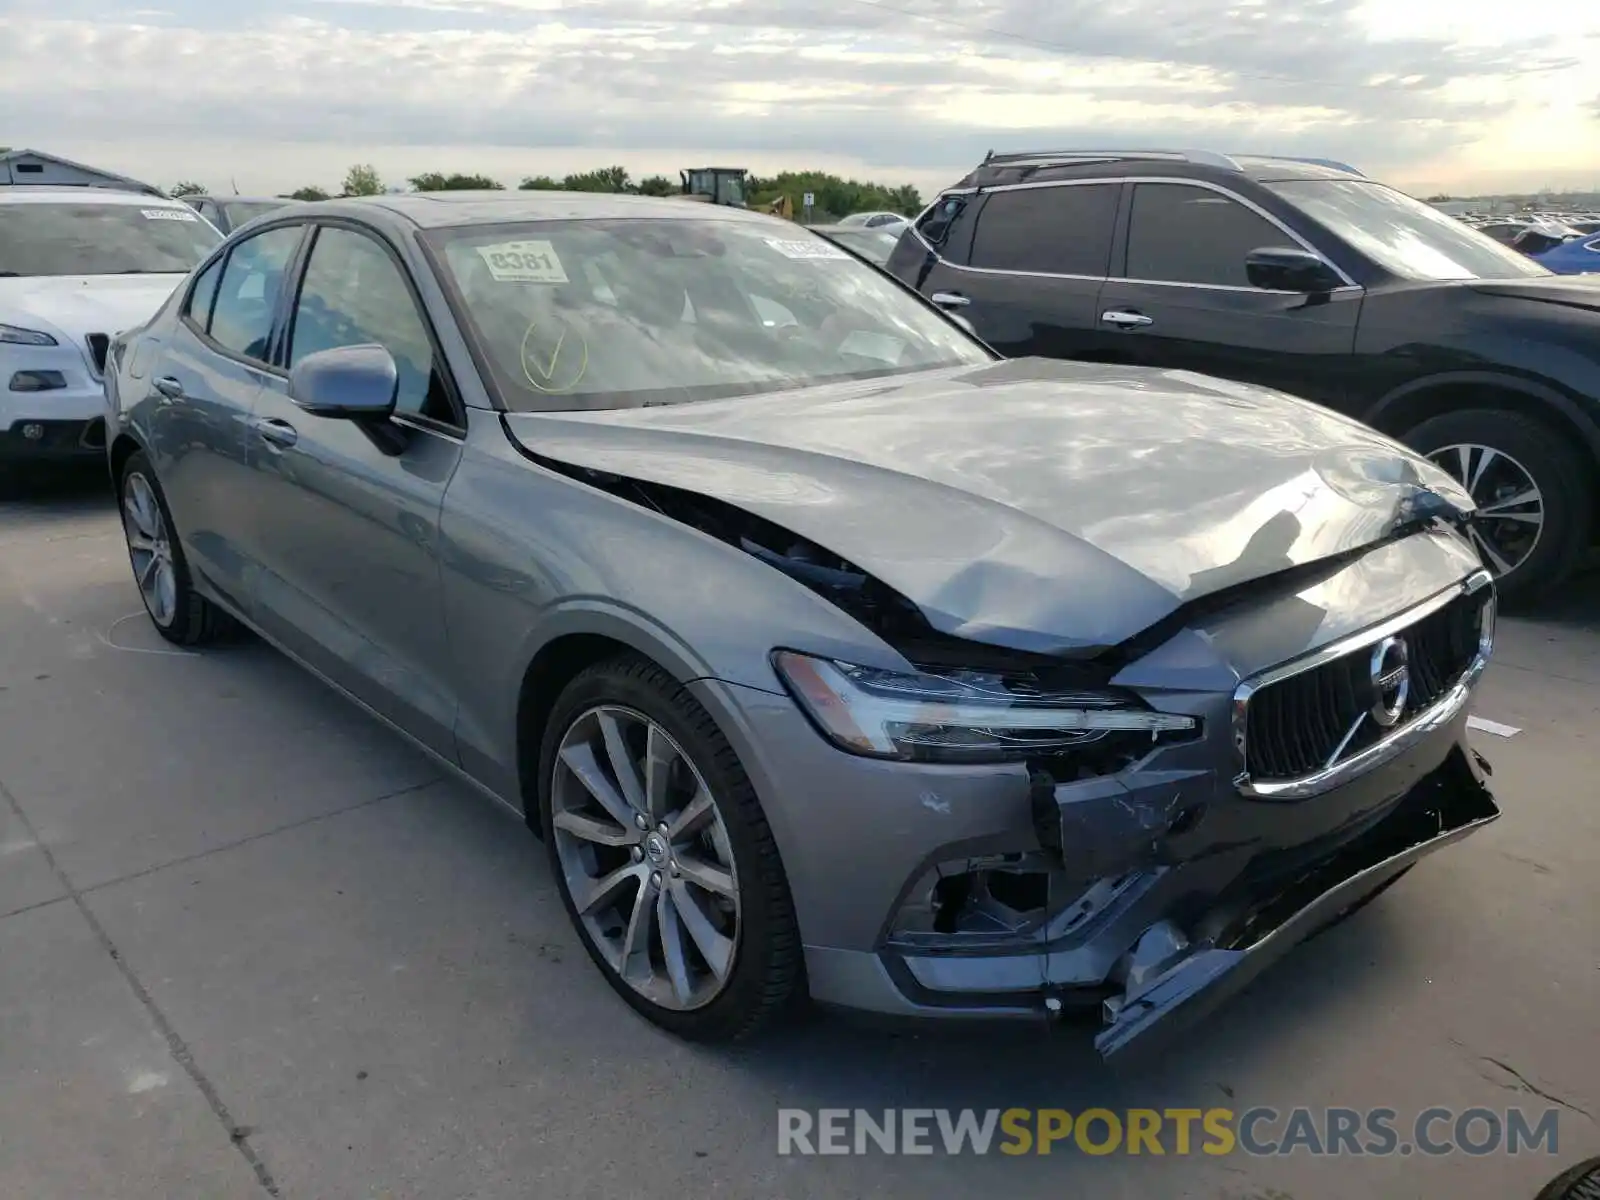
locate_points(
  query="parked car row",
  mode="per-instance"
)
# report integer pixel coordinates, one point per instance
(1306, 277)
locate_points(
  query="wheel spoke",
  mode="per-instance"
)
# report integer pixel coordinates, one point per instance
(633, 957)
(672, 951)
(1488, 551)
(658, 758)
(607, 886)
(1486, 457)
(589, 829)
(579, 758)
(148, 572)
(710, 876)
(622, 764)
(138, 541)
(166, 588)
(1464, 464)
(692, 818)
(714, 948)
(1531, 496)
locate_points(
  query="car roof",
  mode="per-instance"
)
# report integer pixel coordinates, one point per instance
(242, 199)
(44, 194)
(438, 210)
(1088, 164)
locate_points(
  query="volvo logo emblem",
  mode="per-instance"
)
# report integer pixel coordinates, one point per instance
(1391, 681)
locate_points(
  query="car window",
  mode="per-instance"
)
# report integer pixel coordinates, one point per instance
(1056, 230)
(102, 237)
(354, 294)
(247, 296)
(614, 313)
(1183, 234)
(204, 292)
(937, 224)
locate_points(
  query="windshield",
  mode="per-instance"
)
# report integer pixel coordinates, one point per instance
(240, 211)
(620, 313)
(1404, 236)
(101, 239)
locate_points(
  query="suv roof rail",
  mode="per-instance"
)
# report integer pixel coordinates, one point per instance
(1333, 163)
(1021, 158)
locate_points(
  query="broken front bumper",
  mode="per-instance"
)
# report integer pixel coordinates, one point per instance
(1248, 931)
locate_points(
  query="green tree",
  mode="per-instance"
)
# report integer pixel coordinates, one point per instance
(308, 193)
(436, 181)
(362, 180)
(658, 185)
(187, 187)
(539, 183)
(606, 179)
(835, 197)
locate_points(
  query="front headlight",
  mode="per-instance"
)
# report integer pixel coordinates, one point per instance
(960, 716)
(12, 335)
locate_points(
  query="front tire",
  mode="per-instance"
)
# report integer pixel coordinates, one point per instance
(664, 859)
(1535, 508)
(180, 614)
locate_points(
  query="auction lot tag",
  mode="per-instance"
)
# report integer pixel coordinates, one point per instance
(167, 214)
(523, 262)
(809, 248)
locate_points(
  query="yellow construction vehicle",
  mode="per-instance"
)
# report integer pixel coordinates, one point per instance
(729, 185)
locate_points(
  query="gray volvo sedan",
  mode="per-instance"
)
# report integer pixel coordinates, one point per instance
(830, 655)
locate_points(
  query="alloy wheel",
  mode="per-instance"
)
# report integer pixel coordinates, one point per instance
(645, 857)
(150, 549)
(1511, 511)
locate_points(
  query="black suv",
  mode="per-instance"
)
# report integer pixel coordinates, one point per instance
(1301, 275)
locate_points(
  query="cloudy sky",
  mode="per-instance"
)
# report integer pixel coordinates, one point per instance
(1457, 95)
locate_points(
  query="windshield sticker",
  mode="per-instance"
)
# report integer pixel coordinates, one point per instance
(167, 214)
(815, 247)
(523, 262)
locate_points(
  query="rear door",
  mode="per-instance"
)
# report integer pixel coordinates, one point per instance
(1025, 264)
(1180, 297)
(345, 536)
(203, 384)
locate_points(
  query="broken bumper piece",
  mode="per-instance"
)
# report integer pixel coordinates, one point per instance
(1246, 932)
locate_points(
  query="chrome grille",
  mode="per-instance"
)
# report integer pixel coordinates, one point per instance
(1300, 722)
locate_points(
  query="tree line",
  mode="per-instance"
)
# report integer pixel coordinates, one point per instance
(833, 195)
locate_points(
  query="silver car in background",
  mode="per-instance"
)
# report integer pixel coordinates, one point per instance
(830, 655)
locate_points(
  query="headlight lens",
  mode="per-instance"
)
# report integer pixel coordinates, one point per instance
(12, 335)
(960, 716)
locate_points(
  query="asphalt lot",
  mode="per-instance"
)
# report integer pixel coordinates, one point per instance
(252, 943)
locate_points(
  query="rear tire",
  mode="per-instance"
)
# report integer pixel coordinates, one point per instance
(763, 976)
(180, 613)
(1523, 449)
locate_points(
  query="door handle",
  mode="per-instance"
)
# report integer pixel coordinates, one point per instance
(279, 433)
(169, 387)
(950, 299)
(1124, 319)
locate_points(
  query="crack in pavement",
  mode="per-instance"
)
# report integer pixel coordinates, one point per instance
(237, 1135)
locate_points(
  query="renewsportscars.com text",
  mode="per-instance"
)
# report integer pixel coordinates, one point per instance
(1257, 1131)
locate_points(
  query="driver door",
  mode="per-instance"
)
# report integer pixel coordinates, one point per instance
(347, 525)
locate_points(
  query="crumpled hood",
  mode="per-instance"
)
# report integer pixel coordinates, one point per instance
(73, 305)
(1041, 505)
(1575, 291)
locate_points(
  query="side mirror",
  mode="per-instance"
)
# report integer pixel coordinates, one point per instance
(350, 382)
(1286, 269)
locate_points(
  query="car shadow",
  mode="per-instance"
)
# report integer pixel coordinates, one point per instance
(60, 491)
(1575, 604)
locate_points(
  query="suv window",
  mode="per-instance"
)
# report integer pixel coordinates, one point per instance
(354, 293)
(1183, 234)
(937, 223)
(241, 319)
(1063, 230)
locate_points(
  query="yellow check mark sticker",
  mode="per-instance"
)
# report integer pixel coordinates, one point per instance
(565, 366)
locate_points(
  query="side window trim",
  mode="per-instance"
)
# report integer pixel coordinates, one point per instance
(441, 364)
(219, 260)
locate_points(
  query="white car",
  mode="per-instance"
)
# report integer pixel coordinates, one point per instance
(77, 266)
(893, 222)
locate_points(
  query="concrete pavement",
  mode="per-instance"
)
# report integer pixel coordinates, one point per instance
(252, 944)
